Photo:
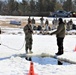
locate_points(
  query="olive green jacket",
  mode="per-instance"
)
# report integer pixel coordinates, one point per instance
(60, 32)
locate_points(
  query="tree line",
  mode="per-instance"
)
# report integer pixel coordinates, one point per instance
(40, 7)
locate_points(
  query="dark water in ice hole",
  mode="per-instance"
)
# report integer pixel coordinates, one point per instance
(46, 60)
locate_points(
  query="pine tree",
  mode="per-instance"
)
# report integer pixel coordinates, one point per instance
(67, 5)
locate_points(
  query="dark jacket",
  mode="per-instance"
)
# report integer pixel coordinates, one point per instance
(60, 32)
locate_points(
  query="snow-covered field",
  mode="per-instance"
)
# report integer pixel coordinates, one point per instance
(13, 42)
(20, 18)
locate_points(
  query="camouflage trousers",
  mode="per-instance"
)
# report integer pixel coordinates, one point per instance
(28, 44)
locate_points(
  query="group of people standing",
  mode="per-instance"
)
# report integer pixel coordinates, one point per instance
(44, 26)
(60, 34)
(69, 24)
(32, 22)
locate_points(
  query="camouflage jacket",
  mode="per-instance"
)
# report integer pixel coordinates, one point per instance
(28, 31)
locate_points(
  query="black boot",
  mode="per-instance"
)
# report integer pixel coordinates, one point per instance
(26, 51)
(60, 52)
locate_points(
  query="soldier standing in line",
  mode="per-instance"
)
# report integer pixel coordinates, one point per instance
(41, 19)
(46, 24)
(28, 37)
(33, 23)
(71, 24)
(55, 23)
(29, 18)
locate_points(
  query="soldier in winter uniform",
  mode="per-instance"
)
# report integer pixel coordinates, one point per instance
(29, 18)
(47, 23)
(41, 19)
(60, 34)
(33, 23)
(28, 36)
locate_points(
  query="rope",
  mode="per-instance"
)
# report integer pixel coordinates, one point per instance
(7, 45)
(13, 48)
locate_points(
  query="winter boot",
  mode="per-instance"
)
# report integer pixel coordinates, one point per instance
(26, 51)
(59, 52)
(30, 51)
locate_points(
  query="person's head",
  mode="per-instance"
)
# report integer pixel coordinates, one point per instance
(65, 22)
(60, 20)
(71, 20)
(29, 21)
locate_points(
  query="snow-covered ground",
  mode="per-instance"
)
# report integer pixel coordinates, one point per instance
(13, 42)
(20, 18)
